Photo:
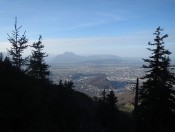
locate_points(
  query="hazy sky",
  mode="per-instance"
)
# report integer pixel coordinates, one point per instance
(120, 27)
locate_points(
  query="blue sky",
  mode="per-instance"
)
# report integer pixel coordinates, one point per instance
(119, 27)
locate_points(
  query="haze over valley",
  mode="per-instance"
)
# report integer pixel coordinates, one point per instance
(92, 74)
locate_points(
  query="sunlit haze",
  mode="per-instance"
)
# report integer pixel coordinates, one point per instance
(118, 27)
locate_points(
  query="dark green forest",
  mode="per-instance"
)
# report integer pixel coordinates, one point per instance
(31, 102)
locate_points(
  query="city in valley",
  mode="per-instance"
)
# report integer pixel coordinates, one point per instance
(91, 76)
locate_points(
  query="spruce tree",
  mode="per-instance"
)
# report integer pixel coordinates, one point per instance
(107, 111)
(157, 95)
(136, 96)
(38, 68)
(103, 94)
(1, 57)
(7, 61)
(111, 99)
(19, 44)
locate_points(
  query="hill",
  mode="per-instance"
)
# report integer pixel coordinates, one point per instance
(27, 104)
(99, 81)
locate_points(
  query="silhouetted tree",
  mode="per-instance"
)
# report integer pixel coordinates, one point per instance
(38, 68)
(69, 84)
(111, 99)
(1, 57)
(107, 111)
(19, 43)
(7, 61)
(136, 99)
(157, 95)
(103, 96)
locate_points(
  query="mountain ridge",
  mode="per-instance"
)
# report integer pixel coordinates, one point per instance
(70, 57)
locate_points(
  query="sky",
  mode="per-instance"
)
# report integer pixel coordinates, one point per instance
(86, 27)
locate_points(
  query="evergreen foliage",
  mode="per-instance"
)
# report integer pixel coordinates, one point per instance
(19, 44)
(38, 68)
(1, 57)
(136, 98)
(111, 99)
(27, 104)
(107, 111)
(103, 96)
(7, 61)
(157, 95)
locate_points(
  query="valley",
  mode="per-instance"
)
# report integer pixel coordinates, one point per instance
(91, 77)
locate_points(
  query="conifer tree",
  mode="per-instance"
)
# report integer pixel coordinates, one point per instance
(19, 44)
(103, 93)
(107, 111)
(1, 57)
(7, 61)
(157, 95)
(38, 68)
(136, 96)
(111, 99)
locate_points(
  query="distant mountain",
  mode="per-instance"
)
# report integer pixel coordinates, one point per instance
(70, 57)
